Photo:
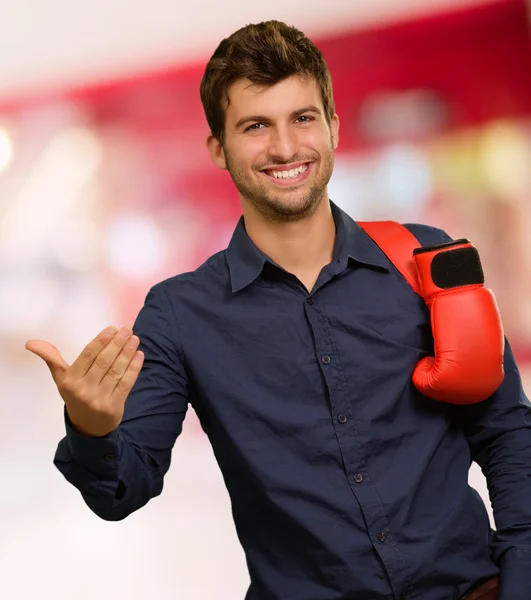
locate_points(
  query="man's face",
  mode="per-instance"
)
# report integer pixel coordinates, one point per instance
(278, 147)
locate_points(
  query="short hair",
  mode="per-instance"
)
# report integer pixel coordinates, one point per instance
(263, 53)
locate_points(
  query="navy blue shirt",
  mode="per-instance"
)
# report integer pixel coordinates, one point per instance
(345, 481)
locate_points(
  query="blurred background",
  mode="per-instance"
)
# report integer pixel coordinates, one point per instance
(106, 188)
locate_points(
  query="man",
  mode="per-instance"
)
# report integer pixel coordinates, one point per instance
(296, 346)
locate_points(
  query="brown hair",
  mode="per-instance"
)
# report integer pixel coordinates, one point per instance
(264, 53)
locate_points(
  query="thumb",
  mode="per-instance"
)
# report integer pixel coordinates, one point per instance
(50, 355)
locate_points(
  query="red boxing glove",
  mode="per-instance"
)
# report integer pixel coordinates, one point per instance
(467, 331)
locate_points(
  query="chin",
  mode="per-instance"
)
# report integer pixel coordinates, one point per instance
(294, 207)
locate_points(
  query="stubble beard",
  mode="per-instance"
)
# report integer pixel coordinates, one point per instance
(283, 207)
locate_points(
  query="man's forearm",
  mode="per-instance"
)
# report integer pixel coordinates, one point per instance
(499, 434)
(110, 474)
(506, 464)
(514, 575)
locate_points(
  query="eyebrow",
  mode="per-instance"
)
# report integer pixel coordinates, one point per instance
(262, 119)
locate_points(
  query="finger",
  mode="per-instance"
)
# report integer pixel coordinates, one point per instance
(88, 355)
(117, 370)
(51, 356)
(126, 383)
(105, 359)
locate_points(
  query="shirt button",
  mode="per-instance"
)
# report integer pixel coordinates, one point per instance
(358, 478)
(326, 359)
(109, 457)
(381, 537)
(310, 301)
(342, 419)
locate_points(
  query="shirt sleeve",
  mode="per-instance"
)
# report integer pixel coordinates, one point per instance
(499, 434)
(119, 473)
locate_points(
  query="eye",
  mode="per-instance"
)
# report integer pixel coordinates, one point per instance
(305, 119)
(254, 127)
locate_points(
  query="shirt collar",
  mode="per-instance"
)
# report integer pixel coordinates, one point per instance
(246, 261)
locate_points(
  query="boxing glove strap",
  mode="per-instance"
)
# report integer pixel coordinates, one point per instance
(397, 243)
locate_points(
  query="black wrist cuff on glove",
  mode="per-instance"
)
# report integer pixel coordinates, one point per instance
(454, 268)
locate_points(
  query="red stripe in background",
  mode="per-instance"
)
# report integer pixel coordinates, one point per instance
(478, 58)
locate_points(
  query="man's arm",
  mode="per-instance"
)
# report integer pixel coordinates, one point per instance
(119, 473)
(499, 434)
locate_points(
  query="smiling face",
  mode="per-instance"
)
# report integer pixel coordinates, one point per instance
(278, 147)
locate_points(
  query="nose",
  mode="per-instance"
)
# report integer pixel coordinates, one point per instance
(283, 143)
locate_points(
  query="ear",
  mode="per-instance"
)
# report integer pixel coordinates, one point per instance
(334, 129)
(217, 155)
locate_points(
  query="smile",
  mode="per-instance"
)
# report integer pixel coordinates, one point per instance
(285, 177)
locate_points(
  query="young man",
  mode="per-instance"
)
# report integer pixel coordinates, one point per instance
(296, 347)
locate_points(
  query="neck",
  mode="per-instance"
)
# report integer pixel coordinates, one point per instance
(302, 247)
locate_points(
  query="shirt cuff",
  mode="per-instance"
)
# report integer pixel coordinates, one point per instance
(96, 454)
(514, 575)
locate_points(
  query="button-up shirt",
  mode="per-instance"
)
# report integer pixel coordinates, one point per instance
(345, 481)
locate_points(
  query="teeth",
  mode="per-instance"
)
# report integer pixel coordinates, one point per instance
(290, 173)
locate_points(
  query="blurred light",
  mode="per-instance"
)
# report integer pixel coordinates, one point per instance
(79, 245)
(404, 173)
(347, 187)
(136, 246)
(505, 158)
(407, 114)
(18, 22)
(456, 165)
(6, 150)
(51, 190)
(26, 301)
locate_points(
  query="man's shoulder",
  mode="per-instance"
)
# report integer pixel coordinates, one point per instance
(211, 274)
(427, 235)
